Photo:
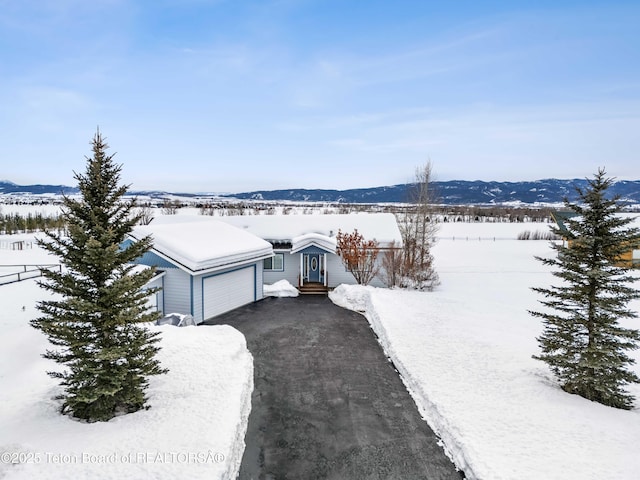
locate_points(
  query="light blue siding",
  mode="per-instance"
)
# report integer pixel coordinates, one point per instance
(259, 282)
(338, 273)
(335, 268)
(148, 258)
(177, 291)
(151, 259)
(158, 298)
(290, 272)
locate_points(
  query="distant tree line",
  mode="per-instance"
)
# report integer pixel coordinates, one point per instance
(12, 223)
(438, 212)
(470, 213)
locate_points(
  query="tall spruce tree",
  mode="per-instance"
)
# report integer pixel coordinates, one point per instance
(582, 341)
(96, 318)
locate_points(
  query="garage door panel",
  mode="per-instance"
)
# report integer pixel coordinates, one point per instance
(227, 291)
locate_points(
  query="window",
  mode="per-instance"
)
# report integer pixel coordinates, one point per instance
(275, 263)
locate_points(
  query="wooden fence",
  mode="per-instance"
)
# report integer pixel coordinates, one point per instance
(16, 244)
(25, 272)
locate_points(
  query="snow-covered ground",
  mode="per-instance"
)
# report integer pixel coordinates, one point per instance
(194, 429)
(46, 209)
(281, 288)
(464, 352)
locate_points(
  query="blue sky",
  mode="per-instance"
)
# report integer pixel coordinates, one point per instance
(198, 95)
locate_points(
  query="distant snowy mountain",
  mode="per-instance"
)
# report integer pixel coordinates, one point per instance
(454, 192)
(10, 187)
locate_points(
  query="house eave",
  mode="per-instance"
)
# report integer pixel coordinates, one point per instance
(225, 263)
(312, 244)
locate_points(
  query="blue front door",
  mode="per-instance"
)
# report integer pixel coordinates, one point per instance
(314, 267)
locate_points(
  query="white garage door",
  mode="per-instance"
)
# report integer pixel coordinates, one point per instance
(228, 291)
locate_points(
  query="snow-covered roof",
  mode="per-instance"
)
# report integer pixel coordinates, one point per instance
(201, 243)
(313, 239)
(284, 228)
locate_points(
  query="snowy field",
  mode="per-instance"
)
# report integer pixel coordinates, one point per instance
(464, 351)
(194, 429)
(47, 209)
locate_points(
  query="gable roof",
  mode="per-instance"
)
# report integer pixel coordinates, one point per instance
(313, 240)
(560, 217)
(285, 228)
(202, 244)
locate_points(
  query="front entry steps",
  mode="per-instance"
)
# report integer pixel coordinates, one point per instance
(313, 288)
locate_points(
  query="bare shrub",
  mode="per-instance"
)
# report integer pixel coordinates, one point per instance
(391, 263)
(418, 234)
(146, 214)
(170, 207)
(537, 235)
(207, 209)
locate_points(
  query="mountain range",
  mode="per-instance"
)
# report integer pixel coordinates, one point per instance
(454, 192)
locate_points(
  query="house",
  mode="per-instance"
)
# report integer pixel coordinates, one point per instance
(631, 258)
(209, 267)
(304, 246)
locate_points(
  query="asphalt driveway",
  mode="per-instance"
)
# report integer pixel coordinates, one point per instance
(327, 403)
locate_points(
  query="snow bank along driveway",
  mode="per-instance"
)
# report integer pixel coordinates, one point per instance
(464, 352)
(194, 429)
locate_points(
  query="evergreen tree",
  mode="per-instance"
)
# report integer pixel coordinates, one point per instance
(582, 340)
(97, 323)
